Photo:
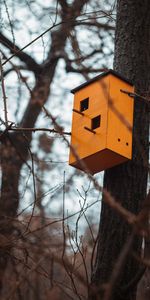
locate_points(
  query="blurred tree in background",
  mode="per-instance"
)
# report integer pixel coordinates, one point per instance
(43, 46)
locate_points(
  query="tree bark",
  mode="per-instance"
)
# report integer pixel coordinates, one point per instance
(127, 182)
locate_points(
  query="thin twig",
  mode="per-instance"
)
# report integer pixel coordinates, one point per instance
(10, 23)
(34, 185)
(4, 94)
(37, 129)
(132, 95)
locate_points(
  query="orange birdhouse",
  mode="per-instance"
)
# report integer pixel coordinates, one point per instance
(102, 122)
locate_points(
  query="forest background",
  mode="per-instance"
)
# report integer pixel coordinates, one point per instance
(49, 211)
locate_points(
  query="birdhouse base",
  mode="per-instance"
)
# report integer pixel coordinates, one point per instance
(100, 161)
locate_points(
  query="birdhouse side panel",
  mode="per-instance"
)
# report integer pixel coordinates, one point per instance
(120, 117)
(89, 121)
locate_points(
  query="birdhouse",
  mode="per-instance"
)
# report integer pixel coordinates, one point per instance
(102, 122)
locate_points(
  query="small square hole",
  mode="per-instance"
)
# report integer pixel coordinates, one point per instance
(84, 104)
(96, 122)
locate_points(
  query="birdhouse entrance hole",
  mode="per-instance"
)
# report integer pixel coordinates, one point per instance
(84, 104)
(96, 122)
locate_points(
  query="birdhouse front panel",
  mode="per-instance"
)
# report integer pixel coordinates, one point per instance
(89, 121)
(102, 123)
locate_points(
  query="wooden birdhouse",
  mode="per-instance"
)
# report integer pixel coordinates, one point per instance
(102, 122)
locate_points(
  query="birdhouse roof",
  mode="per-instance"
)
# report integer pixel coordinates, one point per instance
(110, 71)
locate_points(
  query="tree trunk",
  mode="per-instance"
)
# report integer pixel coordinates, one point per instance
(127, 182)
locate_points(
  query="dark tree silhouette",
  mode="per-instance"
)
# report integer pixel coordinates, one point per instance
(127, 182)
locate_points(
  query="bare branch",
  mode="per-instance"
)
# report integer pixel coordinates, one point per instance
(97, 25)
(87, 70)
(36, 129)
(4, 95)
(16, 51)
(9, 44)
(10, 23)
(20, 67)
